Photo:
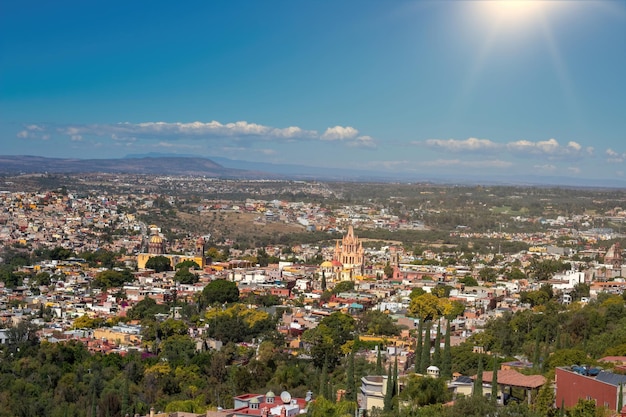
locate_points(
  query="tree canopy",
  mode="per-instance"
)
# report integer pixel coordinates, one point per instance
(220, 291)
(159, 263)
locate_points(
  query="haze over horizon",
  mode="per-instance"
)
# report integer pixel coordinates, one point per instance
(424, 88)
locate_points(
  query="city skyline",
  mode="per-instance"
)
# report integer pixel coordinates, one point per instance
(491, 88)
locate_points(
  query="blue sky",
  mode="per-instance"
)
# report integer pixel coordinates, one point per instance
(491, 88)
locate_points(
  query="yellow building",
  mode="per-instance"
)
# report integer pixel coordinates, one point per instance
(157, 247)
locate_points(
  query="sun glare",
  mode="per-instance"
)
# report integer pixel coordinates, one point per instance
(515, 12)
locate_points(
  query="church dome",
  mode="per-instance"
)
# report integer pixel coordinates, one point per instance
(156, 239)
(270, 394)
(326, 264)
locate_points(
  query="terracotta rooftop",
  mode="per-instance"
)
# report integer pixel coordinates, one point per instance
(515, 379)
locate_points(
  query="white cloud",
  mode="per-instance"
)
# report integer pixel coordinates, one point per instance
(574, 170)
(467, 145)
(213, 130)
(33, 132)
(493, 163)
(614, 157)
(193, 130)
(340, 133)
(549, 148)
(362, 142)
(546, 167)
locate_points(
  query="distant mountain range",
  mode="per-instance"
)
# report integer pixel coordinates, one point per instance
(167, 164)
(163, 165)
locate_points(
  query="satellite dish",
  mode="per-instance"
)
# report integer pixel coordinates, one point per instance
(285, 397)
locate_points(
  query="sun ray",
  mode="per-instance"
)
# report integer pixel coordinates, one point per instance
(501, 21)
(560, 69)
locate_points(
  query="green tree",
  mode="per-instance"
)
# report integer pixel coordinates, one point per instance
(220, 291)
(468, 281)
(416, 292)
(188, 263)
(488, 274)
(379, 362)
(323, 379)
(323, 407)
(446, 359)
(425, 359)
(474, 406)
(146, 308)
(436, 360)
(184, 276)
(420, 391)
(494, 380)
(112, 278)
(350, 381)
(327, 338)
(388, 270)
(567, 357)
(419, 345)
(544, 402)
(478, 382)
(343, 286)
(388, 398)
(515, 274)
(178, 349)
(378, 323)
(159, 263)
(583, 408)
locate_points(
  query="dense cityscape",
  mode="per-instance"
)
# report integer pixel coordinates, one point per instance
(354, 208)
(196, 296)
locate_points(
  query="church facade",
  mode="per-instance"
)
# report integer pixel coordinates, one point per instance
(348, 261)
(157, 246)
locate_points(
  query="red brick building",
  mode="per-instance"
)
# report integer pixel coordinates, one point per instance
(573, 384)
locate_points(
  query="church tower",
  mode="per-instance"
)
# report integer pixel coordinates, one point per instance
(614, 256)
(350, 254)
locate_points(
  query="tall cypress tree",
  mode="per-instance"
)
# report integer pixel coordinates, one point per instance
(388, 399)
(494, 380)
(418, 347)
(437, 350)
(536, 353)
(379, 362)
(395, 377)
(330, 395)
(425, 361)
(94, 407)
(323, 281)
(125, 397)
(478, 383)
(350, 381)
(323, 391)
(446, 360)
(620, 399)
